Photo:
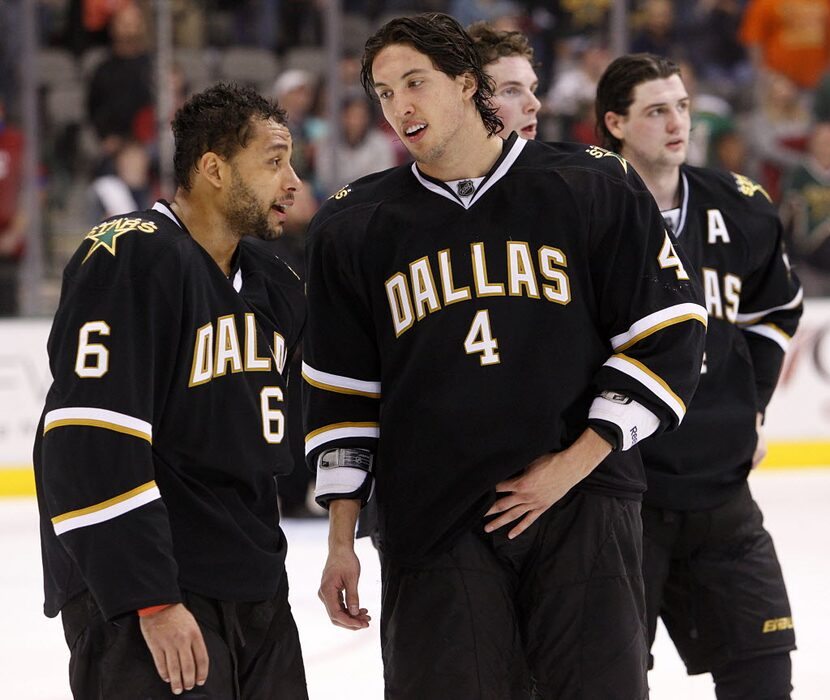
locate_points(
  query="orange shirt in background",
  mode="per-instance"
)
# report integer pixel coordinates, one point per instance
(793, 35)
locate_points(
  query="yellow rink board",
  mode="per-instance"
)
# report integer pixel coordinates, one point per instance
(19, 480)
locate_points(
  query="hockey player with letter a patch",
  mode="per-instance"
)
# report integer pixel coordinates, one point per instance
(710, 567)
(487, 360)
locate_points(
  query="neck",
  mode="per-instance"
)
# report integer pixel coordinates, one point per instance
(207, 227)
(471, 153)
(662, 181)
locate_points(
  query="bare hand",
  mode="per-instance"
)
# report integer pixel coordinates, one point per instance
(338, 590)
(547, 479)
(178, 648)
(761, 445)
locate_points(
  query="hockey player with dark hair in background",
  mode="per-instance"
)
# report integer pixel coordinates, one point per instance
(491, 329)
(710, 567)
(164, 428)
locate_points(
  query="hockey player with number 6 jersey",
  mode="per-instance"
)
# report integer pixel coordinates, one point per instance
(164, 428)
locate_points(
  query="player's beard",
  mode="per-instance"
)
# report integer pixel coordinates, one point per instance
(246, 214)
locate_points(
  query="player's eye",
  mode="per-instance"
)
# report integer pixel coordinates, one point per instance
(384, 94)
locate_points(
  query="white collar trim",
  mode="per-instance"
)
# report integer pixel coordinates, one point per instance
(490, 180)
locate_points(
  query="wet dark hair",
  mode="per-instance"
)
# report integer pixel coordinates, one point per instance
(493, 44)
(615, 91)
(448, 46)
(218, 119)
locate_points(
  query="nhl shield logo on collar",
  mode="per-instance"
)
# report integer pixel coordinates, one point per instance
(465, 188)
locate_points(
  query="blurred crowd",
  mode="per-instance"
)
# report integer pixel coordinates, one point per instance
(758, 71)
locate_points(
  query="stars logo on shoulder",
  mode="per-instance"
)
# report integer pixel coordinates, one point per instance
(748, 188)
(342, 192)
(106, 234)
(598, 152)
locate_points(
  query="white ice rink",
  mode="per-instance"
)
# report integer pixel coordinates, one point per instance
(346, 665)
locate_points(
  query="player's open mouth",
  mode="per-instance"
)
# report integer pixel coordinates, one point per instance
(281, 210)
(415, 131)
(529, 130)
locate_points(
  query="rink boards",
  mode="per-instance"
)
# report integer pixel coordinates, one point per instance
(797, 426)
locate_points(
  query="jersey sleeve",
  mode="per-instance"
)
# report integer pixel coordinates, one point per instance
(341, 368)
(110, 350)
(650, 309)
(771, 306)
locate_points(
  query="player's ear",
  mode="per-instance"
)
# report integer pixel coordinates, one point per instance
(212, 168)
(469, 85)
(613, 122)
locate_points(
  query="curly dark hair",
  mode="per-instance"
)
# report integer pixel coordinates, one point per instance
(615, 90)
(493, 44)
(218, 119)
(447, 45)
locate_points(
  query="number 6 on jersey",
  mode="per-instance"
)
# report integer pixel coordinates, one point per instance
(480, 339)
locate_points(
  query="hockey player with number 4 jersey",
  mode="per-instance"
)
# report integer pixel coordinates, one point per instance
(164, 428)
(710, 567)
(485, 325)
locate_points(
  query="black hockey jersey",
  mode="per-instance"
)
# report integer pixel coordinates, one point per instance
(164, 427)
(461, 338)
(730, 230)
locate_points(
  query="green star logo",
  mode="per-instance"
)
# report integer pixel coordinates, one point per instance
(106, 235)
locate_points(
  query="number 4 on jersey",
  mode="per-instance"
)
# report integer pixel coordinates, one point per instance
(480, 339)
(668, 258)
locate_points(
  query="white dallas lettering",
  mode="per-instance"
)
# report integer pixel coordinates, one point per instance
(424, 293)
(723, 296)
(397, 291)
(414, 295)
(214, 359)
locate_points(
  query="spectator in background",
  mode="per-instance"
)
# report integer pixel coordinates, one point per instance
(711, 117)
(730, 150)
(571, 98)
(365, 148)
(805, 209)
(711, 30)
(296, 91)
(493, 11)
(12, 215)
(508, 59)
(122, 84)
(792, 38)
(778, 129)
(656, 29)
(126, 189)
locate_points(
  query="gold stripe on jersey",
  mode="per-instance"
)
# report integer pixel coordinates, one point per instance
(657, 321)
(752, 316)
(336, 431)
(340, 384)
(106, 510)
(773, 333)
(653, 382)
(98, 418)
